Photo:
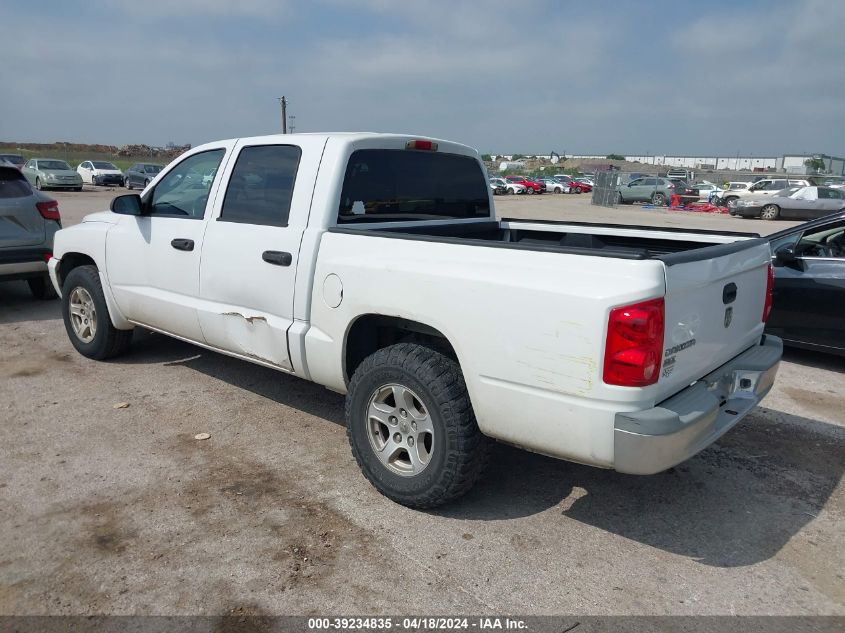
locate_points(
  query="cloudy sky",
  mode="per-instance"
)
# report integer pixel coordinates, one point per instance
(761, 77)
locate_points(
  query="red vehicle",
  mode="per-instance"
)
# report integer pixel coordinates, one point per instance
(577, 186)
(530, 185)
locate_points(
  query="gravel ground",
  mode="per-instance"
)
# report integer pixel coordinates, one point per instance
(120, 511)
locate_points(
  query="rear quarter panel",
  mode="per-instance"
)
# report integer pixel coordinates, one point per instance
(528, 329)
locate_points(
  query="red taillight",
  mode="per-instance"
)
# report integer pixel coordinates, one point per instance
(767, 304)
(49, 210)
(429, 146)
(634, 346)
(48, 257)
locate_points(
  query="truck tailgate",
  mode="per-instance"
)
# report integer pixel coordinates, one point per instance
(714, 307)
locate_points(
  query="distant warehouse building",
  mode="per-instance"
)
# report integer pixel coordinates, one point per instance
(796, 164)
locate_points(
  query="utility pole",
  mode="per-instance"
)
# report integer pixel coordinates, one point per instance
(284, 103)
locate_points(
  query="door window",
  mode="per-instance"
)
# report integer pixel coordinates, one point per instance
(261, 185)
(183, 192)
(828, 241)
(829, 194)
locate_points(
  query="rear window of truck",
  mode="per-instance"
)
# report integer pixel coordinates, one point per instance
(402, 185)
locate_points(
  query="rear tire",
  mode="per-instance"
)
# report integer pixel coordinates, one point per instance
(41, 287)
(83, 289)
(450, 452)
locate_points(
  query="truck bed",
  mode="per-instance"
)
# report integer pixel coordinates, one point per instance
(670, 245)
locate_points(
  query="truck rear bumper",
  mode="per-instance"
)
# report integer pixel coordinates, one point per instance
(650, 441)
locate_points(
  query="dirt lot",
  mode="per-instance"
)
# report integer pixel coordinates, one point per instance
(120, 510)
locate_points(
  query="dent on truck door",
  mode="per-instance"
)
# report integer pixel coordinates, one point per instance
(251, 250)
(153, 259)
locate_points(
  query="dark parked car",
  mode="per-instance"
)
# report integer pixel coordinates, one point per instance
(140, 174)
(15, 159)
(809, 285)
(28, 221)
(687, 192)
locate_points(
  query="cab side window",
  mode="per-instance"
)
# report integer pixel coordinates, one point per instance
(261, 185)
(183, 192)
(826, 242)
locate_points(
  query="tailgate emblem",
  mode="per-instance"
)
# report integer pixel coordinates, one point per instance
(729, 315)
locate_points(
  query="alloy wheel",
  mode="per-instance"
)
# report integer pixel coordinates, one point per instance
(400, 429)
(83, 314)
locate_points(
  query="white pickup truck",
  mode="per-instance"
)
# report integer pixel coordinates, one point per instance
(374, 264)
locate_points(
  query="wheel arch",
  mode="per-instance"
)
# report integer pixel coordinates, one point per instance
(74, 259)
(70, 261)
(370, 332)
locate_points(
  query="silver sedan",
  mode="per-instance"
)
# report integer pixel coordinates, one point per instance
(794, 203)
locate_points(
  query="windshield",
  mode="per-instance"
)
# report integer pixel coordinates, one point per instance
(53, 164)
(101, 164)
(384, 185)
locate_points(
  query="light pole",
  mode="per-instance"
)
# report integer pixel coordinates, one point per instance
(284, 103)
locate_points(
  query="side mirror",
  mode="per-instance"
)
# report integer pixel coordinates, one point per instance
(785, 255)
(128, 204)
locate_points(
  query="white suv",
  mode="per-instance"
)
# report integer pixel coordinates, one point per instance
(765, 187)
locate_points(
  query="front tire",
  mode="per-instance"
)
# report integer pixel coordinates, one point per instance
(86, 316)
(412, 428)
(770, 212)
(41, 287)
(38, 184)
(658, 199)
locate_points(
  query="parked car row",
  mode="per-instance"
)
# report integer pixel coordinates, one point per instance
(560, 183)
(54, 173)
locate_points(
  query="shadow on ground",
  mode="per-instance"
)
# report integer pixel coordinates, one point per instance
(17, 304)
(736, 503)
(152, 348)
(809, 358)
